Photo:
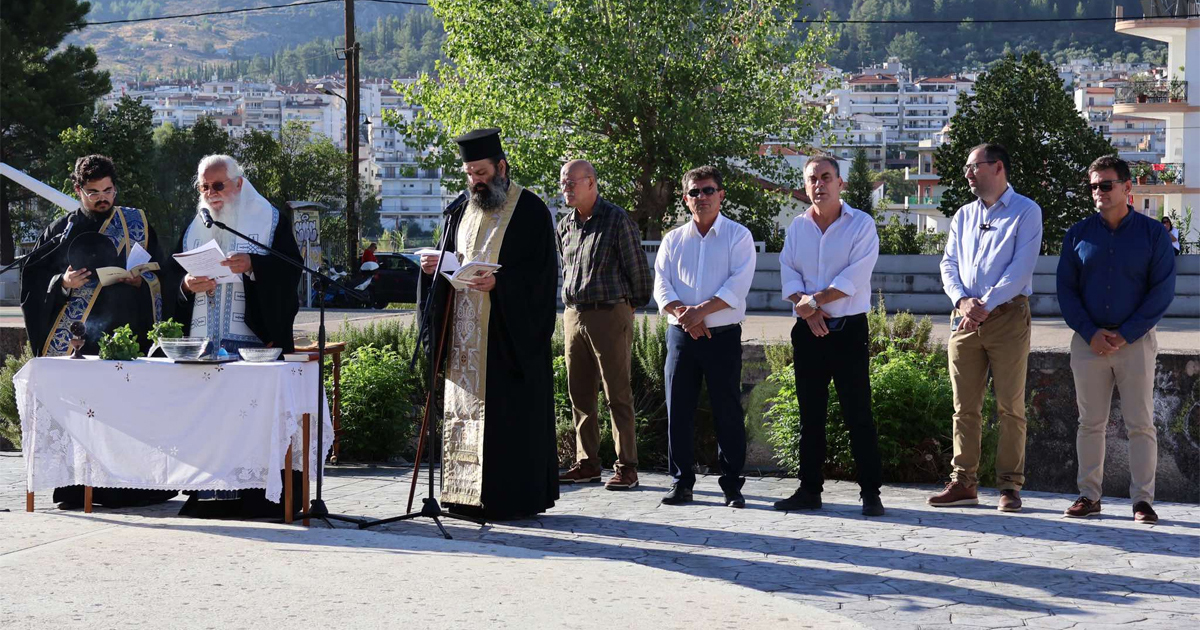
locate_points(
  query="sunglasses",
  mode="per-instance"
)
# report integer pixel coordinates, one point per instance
(707, 190)
(1106, 185)
(217, 186)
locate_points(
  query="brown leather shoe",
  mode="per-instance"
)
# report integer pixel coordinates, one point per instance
(625, 479)
(581, 473)
(1083, 507)
(1143, 513)
(955, 493)
(1010, 501)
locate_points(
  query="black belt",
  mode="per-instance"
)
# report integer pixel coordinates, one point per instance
(597, 306)
(715, 329)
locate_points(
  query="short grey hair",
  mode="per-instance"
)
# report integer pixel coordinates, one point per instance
(209, 162)
(826, 158)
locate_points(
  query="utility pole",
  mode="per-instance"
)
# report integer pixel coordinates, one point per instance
(352, 108)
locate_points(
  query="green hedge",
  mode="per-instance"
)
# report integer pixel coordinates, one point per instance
(10, 420)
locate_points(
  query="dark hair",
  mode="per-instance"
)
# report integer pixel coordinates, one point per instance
(702, 172)
(1167, 221)
(826, 158)
(993, 151)
(1110, 162)
(89, 168)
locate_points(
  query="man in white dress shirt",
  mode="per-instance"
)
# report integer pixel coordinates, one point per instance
(701, 278)
(828, 255)
(987, 271)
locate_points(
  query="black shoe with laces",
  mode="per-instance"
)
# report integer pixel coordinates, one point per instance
(872, 506)
(801, 499)
(677, 495)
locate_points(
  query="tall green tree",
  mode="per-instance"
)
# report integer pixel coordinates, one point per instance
(297, 166)
(645, 89)
(45, 87)
(177, 153)
(860, 183)
(1020, 104)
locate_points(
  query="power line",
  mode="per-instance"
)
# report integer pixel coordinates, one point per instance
(206, 13)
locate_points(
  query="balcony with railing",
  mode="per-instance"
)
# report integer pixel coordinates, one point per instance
(917, 200)
(1170, 174)
(1169, 8)
(1172, 91)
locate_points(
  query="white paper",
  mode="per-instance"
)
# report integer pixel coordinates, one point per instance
(449, 259)
(137, 256)
(205, 261)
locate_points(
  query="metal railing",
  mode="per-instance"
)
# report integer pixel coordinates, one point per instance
(1170, 8)
(916, 200)
(1171, 91)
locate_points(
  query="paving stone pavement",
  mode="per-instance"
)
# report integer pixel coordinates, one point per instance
(916, 567)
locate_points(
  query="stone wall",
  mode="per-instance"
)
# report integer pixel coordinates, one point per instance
(1052, 420)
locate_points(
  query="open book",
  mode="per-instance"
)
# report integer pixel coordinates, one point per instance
(205, 261)
(136, 263)
(470, 272)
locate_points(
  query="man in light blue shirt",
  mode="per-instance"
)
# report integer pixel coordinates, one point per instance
(987, 271)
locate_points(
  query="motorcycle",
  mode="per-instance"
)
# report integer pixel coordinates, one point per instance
(336, 297)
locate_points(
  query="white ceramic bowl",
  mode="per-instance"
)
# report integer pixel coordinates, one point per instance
(260, 355)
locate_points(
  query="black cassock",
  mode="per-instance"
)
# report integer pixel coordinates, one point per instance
(520, 460)
(117, 305)
(271, 307)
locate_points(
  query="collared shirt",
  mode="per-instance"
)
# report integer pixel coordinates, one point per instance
(991, 252)
(691, 269)
(842, 257)
(602, 258)
(1122, 278)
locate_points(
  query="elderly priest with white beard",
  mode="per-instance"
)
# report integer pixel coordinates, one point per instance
(255, 311)
(499, 454)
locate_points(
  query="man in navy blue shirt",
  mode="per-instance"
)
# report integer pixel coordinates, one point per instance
(1116, 277)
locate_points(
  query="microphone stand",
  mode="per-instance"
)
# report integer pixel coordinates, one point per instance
(429, 505)
(316, 508)
(41, 251)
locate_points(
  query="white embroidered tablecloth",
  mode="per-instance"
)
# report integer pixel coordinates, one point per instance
(153, 424)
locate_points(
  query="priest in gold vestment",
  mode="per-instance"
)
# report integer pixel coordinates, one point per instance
(499, 455)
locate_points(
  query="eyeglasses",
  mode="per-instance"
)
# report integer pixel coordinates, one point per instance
(707, 190)
(570, 184)
(1106, 185)
(96, 194)
(972, 168)
(217, 186)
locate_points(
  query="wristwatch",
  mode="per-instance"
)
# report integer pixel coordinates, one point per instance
(811, 302)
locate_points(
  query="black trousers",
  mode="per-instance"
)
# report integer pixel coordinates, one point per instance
(718, 361)
(844, 357)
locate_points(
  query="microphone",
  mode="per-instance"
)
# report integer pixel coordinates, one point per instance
(206, 216)
(983, 227)
(456, 204)
(67, 231)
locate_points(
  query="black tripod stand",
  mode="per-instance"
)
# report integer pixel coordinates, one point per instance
(429, 505)
(316, 508)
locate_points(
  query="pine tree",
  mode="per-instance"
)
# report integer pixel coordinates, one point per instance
(860, 183)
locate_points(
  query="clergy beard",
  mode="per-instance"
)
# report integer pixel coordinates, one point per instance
(491, 196)
(225, 215)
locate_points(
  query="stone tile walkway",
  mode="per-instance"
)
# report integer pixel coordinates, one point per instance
(914, 568)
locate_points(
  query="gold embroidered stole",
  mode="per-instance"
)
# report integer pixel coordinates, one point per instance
(131, 227)
(480, 235)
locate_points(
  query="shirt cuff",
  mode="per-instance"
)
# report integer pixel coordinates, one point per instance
(844, 285)
(728, 297)
(667, 298)
(791, 289)
(1130, 333)
(956, 295)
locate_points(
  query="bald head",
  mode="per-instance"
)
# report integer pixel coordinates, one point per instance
(578, 183)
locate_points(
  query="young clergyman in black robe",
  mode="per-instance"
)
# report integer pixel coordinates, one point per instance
(263, 303)
(499, 453)
(55, 294)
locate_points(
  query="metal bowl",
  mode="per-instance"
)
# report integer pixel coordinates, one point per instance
(260, 355)
(183, 348)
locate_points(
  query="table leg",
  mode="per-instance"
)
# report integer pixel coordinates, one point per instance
(28, 501)
(87, 499)
(304, 482)
(335, 413)
(288, 509)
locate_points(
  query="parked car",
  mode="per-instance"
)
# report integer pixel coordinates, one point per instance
(396, 278)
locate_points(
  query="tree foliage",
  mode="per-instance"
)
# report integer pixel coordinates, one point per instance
(1020, 104)
(860, 183)
(645, 89)
(295, 166)
(45, 87)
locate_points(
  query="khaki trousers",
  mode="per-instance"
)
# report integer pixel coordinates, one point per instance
(599, 343)
(1001, 345)
(1131, 369)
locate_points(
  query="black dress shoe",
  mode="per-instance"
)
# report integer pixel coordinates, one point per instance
(872, 506)
(678, 495)
(801, 499)
(734, 499)
(69, 505)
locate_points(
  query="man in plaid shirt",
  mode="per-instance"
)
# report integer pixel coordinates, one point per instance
(606, 276)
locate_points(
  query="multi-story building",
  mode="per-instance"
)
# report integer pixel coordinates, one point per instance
(922, 208)
(1174, 100)
(861, 131)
